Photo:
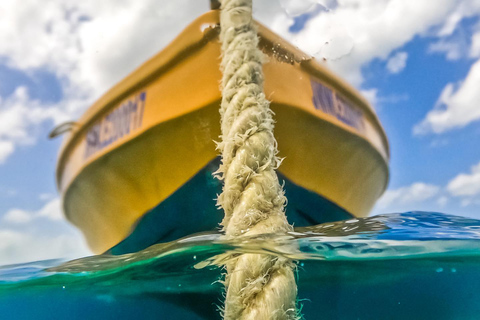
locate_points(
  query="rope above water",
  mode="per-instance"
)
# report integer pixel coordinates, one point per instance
(258, 286)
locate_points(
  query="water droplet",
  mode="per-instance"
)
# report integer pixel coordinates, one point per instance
(439, 270)
(194, 257)
(339, 45)
(206, 26)
(297, 7)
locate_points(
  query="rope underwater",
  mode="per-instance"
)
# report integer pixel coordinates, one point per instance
(259, 286)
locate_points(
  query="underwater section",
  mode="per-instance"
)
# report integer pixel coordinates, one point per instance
(415, 265)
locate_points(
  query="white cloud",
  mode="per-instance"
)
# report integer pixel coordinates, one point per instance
(19, 118)
(462, 10)
(18, 246)
(475, 46)
(17, 216)
(6, 150)
(452, 49)
(453, 38)
(458, 105)
(16, 116)
(371, 95)
(466, 185)
(452, 22)
(374, 28)
(414, 194)
(442, 201)
(24, 236)
(51, 211)
(397, 62)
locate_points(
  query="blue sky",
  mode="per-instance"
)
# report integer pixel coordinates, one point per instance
(418, 62)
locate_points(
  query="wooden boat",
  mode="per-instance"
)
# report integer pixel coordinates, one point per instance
(136, 168)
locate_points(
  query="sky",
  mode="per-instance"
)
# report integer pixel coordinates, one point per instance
(416, 61)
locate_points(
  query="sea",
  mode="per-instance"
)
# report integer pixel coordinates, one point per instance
(414, 265)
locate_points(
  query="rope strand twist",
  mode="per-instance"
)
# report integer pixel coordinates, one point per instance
(258, 286)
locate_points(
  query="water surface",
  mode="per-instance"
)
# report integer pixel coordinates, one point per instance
(414, 265)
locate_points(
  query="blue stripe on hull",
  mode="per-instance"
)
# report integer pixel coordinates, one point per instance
(192, 209)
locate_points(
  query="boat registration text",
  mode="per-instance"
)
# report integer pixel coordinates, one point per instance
(118, 123)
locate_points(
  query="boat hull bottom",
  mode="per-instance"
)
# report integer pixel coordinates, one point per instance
(192, 208)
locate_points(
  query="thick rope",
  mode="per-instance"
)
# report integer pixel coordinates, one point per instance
(258, 286)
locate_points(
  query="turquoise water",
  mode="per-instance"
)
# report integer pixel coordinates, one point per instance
(414, 265)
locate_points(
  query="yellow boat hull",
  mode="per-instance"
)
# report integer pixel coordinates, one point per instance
(154, 132)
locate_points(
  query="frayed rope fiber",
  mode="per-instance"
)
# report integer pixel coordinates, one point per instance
(258, 286)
